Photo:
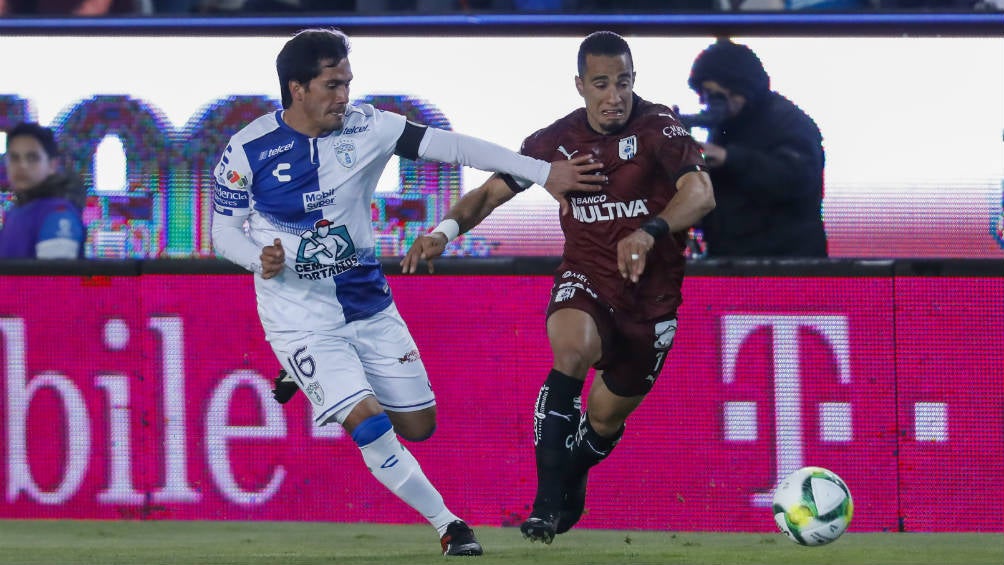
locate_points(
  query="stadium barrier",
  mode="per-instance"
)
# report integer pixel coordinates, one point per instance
(140, 389)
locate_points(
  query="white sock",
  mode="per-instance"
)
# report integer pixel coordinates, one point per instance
(398, 470)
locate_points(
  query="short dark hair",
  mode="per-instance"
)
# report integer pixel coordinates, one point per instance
(42, 134)
(301, 57)
(605, 43)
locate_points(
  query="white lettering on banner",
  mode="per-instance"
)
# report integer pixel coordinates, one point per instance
(19, 395)
(172, 356)
(787, 381)
(217, 435)
(120, 488)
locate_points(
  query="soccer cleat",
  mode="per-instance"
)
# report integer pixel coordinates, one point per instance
(459, 540)
(573, 505)
(285, 387)
(540, 526)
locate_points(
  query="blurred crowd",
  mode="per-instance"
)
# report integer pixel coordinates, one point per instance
(395, 7)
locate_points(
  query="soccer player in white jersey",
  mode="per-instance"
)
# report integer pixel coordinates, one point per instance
(292, 205)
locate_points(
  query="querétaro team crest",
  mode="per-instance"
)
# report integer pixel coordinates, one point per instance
(628, 147)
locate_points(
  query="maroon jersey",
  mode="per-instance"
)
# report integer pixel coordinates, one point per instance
(643, 162)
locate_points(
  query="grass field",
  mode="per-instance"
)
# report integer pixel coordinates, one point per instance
(64, 542)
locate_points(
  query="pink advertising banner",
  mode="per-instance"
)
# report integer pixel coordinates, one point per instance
(148, 397)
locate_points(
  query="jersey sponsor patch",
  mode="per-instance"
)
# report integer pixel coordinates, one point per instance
(316, 200)
(325, 251)
(225, 198)
(665, 332)
(266, 153)
(236, 179)
(596, 208)
(675, 131)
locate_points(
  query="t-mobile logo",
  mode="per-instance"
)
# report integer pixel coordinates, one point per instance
(740, 419)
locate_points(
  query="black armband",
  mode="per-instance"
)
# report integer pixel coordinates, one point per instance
(656, 227)
(411, 138)
(513, 184)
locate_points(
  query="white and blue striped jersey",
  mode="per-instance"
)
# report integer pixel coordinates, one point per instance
(315, 195)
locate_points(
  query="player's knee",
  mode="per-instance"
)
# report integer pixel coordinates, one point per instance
(574, 357)
(572, 361)
(371, 429)
(414, 426)
(416, 436)
(605, 424)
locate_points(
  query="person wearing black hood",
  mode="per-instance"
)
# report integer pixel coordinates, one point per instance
(766, 160)
(45, 221)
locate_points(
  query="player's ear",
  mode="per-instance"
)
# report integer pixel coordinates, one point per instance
(296, 89)
(579, 85)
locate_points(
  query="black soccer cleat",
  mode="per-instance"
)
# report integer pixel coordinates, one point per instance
(459, 540)
(285, 387)
(573, 504)
(540, 526)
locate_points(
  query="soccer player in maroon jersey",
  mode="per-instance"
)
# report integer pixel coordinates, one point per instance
(615, 295)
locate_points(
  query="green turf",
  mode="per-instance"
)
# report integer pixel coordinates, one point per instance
(64, 542)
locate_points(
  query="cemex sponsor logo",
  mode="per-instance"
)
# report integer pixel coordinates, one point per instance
(675, 131)
(275, 151)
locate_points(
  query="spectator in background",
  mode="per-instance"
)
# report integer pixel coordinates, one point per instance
(766, 160)
(45, 221)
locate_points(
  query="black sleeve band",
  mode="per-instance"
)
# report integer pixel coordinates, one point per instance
(511, 183)
(411, 138)
(656, 227)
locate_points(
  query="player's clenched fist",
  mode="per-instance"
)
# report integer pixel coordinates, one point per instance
(273, 259)
(426, 247)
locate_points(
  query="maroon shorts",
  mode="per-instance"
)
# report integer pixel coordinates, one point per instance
(633, 351)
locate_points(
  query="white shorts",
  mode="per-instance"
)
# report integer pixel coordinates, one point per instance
(372, 357)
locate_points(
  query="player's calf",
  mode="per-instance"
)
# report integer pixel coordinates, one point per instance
(587, 451)
(556, 414)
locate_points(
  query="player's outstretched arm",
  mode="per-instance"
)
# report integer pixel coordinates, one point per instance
(474, 207)
(451, 147)
(694, 198)
(579, 174)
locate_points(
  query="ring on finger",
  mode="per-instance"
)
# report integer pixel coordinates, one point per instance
(635, 256)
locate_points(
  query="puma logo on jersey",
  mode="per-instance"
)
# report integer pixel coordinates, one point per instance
(565, 152)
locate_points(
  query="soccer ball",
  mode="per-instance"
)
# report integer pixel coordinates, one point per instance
(812, 506)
